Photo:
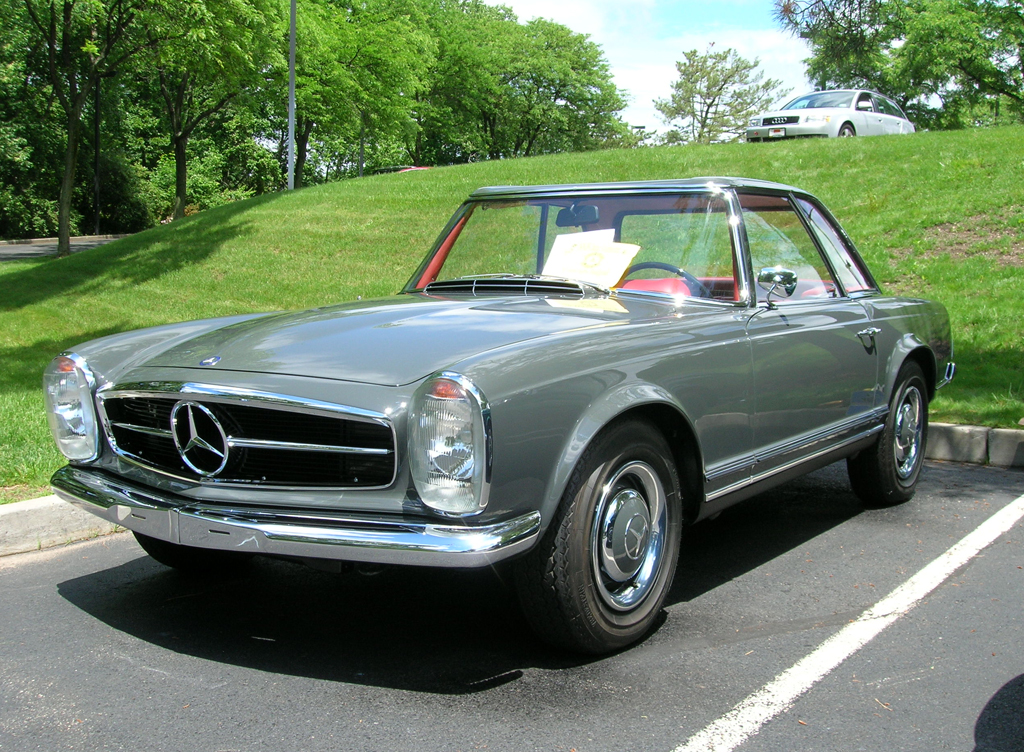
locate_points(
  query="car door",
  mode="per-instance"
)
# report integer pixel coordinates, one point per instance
(870, 118)
(893, 119)
(814, 360)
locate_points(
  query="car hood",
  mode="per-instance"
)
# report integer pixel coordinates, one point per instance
(388, 342)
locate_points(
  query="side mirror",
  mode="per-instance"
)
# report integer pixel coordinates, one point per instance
(777, 281)
(865, 105)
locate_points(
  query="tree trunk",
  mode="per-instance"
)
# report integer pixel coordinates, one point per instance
(67, 184)
(304, 128)
(180, 174)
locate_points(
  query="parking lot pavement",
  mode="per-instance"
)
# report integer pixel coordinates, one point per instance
(103, 648)
(48, 246)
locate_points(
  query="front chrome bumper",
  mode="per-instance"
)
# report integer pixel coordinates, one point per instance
(282, 532)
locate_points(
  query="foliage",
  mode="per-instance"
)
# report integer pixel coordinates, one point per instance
(715, 95)
(72, 47)
(964, 53)
(502, 89)
(200, 86)
(206, 60)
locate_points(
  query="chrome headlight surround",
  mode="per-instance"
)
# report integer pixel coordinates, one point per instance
(450, 445)
(68, 389)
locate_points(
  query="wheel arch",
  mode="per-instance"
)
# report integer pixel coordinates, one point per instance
(652, 404)
(910, 348)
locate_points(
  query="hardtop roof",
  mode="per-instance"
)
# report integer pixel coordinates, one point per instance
(638, 186)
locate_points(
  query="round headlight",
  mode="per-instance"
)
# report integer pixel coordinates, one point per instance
(68, 386)
(449, 445)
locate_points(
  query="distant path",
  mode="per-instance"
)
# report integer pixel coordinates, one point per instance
(26, 249)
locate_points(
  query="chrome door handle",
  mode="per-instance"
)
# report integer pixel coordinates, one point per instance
(869, 332)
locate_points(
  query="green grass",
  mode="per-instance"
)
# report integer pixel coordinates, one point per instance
(935, 214)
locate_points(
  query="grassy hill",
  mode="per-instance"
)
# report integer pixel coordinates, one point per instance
(935, 214)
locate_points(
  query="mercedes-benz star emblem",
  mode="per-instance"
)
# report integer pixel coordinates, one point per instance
(636, 537)
(200, 438)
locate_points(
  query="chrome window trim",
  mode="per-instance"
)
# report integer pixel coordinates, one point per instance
(253, 398)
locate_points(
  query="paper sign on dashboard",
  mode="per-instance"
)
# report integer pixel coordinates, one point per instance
(592, 257)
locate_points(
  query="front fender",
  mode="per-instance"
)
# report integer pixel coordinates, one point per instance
(609, 406)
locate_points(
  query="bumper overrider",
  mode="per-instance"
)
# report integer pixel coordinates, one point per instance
(293, 533)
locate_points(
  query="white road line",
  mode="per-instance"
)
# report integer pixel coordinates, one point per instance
(747, 718)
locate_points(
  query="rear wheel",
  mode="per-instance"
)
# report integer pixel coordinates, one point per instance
(598, 579)
(189, 558)
(887, 472)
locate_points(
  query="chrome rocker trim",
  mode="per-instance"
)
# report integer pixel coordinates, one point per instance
(303, 534)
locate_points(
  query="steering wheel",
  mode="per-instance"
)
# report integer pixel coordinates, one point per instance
(696, 286)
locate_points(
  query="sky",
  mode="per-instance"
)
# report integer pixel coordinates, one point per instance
(643, 39)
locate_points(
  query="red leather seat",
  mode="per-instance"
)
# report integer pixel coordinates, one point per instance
(671, 285)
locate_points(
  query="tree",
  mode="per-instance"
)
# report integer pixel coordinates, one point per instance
(201, 68)
(964, 52)
(715, 95)
(503, 89)
(80, 42)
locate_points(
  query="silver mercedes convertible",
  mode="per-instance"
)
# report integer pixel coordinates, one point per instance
(572, 376)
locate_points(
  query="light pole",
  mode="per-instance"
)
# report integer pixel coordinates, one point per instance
(291, 102)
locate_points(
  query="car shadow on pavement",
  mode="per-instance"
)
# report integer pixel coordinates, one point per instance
(1000, 727)
(417, 629)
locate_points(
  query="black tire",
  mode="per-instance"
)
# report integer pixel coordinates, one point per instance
(598, 578)
(190, 559)
(847, 131)
(887, 472)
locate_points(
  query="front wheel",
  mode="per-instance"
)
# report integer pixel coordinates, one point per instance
(887, 472)
(847, 131)
(598, 578)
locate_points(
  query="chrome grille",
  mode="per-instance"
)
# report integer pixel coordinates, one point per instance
(271, 443)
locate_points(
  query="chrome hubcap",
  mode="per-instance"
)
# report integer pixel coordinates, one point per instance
(908, 433)
(628, 536)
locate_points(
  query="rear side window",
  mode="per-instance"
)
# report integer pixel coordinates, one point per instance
(777, 237)
(851, 275)
(890, 108)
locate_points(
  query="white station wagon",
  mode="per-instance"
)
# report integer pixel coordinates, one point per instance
(831, 114)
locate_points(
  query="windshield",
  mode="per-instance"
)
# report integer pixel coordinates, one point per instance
(820, 99)
(680, 244)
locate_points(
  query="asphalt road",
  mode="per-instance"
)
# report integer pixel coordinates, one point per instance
(103, 649)
(39, 248)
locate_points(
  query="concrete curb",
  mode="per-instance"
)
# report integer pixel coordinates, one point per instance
(1001, 447)
(42, 523)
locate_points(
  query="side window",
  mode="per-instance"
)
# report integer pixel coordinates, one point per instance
(777, 237)
(890, 108)
(851, 275)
